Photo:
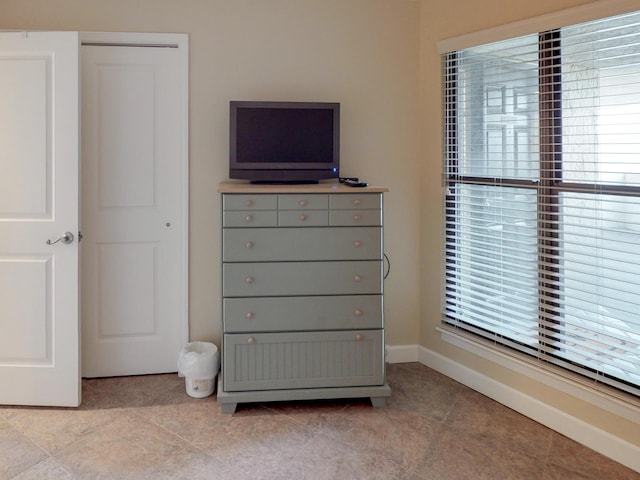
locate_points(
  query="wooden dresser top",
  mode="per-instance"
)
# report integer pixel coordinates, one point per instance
(231, 186)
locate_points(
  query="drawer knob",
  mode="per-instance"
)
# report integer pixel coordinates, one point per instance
(357, 202)
(249, 244)
(357, 243)
(249, 315)
(357, 312)
(303, 218)
(248, 218)
(359, 337)
(248, 280)
(303, 203)
(249, 203)
(357, 278)
(357, 218)
(251, 340)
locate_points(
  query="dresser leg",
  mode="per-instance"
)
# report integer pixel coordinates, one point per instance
(228, 408)
(378, 402)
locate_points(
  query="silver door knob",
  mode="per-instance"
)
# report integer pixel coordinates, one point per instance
(67, 237)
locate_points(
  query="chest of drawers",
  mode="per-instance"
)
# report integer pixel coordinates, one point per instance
(302, 289)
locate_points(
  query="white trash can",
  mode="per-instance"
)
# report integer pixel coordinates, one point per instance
(199, 363)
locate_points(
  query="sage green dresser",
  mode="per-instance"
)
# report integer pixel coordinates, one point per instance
(302, 293)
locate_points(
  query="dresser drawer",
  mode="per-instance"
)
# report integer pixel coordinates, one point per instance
(267, 361)
(355, 217)
(249, 202)
(245, 218)
(301, 278)
(313, 201)
(307, 218)
(272, 314)
(289, 244)
(348, 201)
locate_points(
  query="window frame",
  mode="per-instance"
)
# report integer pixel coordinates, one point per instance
(549, 186)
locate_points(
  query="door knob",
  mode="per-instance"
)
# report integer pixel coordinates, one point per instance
(67, 237)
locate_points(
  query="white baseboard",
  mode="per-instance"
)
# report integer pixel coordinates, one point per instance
(582, 432)
(401, 353)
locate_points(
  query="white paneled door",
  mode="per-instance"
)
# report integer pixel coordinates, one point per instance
(39, 157)
(120, 296)
(134, 203)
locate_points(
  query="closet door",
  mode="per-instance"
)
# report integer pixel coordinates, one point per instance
(134, 203)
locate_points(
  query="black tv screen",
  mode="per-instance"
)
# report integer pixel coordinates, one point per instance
(284, 142)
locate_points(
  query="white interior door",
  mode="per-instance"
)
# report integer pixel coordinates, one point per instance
(39, 149)
(134, 203)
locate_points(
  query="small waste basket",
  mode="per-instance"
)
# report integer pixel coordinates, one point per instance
(198, 363)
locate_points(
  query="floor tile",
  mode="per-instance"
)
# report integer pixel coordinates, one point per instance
(478, 417)
(126, 392)
(404, 436)
(421, 390)
(241, 440)
(48, 469)
(314, 413)
(55, 428)
(17, 452)
(183, 415)
(324, 457)
(193, 464)
(578, 461)
(128, 447)
(455, 455)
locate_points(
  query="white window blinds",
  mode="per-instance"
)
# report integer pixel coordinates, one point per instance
(542, 185)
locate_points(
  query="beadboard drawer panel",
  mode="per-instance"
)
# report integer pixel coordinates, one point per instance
(249, 202)
(246, 218)
(303, 201)
(311, 244)
(307, 218)
(271, 314)
(347, 201)
(355, 217)
(301, 278)
(267, 361)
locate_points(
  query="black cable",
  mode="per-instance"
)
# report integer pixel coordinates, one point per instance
(388, 266)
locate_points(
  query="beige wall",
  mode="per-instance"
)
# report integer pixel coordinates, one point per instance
(441, 20)
(362, 53)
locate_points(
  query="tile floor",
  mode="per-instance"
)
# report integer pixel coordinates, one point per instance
(148, 428)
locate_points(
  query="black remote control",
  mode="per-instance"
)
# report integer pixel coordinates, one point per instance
(353, 183)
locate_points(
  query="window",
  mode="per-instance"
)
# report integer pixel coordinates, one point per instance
(542, 186)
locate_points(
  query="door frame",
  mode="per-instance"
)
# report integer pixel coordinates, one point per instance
(180, 42)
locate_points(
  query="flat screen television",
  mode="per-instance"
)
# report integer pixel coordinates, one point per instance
(284, 142)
